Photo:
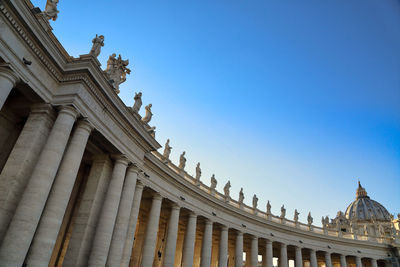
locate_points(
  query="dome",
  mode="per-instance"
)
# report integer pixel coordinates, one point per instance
(364, 209)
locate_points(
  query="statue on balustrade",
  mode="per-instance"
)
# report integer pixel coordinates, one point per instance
(296, 216)
(182, 161)
(51, 11)
(241, 196)
(167, 150)
(323, 222)
(149, 114)
(255, 202)
(138, 102)
(283, 212)
(152, 131)
(226, 189)
(98, 42)
(268, 208)
(310, 219)
(198, 173)
(213, 182)
(116, 71)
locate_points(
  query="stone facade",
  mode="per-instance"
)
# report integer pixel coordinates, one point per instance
(82, 183)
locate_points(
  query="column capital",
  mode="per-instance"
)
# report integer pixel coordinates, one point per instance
(253, 237)
(175, 206)
(268, 241)
(120, 158)
(208, 221)
(85, 124)
(133, 168)
(224, 228)
(139, 184)
(328, 253)
(192, 214)
(43, 108)
(70, 110)
(239, 233)
(9, 75)
(283, 244)
(157, 196)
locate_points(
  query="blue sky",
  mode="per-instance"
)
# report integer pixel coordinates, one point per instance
(291, 100)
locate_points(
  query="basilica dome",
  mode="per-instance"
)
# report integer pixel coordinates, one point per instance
(364, 209)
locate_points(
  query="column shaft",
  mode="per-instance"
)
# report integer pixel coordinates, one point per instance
(313, 258)
(254, 252)
(22, 160)
(343, 262)
(239, 250)
(8, 80)
(374, 263)
(358, 262)
(299, 258)
(188, 245)
(149, 243)
(269, 253)
(206, 245)
(23, 225)
(283, 256)
(126, 255)
(121, 224)
(172, 234)
(328, 260)
(105, 226)
(223, 247)
(52, 217)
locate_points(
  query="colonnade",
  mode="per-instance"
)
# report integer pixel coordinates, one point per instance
(40, 176)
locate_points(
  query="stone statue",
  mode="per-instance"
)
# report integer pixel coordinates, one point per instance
(326, 221)
(149, 114)
(98, 42)
(198, 172)
(213, 182)
(226, 189)
(283, 212)
(255, 201)
(51, 11)
(268, 208)
(310, 219)
(353, 228)
(116, 71)
(381, 230)
(167, 150)
(182, 161)
(398, 216)
(241, 196)
(323, 222)
(138, 102)
(296, 216)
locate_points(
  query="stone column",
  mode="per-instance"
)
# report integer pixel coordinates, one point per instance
(188, 245)
(374, 263)
(149, 243)
(283, 257)
(172, 234)
(223, 247)
(207, 244)
(269, 254)
(105, 226)
(126, 255)
(299, 258)
(358, 262)
(124, 211)
(254, 251)
(22, 160)
(23, 225)
(52, 217)
(328, 260)
(239, 250)
(343, 262)
(313, 258)
(88, 213)
(8, 80)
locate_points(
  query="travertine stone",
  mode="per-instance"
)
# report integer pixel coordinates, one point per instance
(207, 244)
(23, 225)
(122, 223)
(172, 234)
(126, 255)
(269, 253)
(239, 249)
(149, 244)
(8, 80)
(223, 247)
(313, 258)
(89, 212)
(22, 160)
(283, 256)
(105, 226)
(358, 262)
(299, 258)
(328, 260)
(188, 245)
(254, 252)
(343, 261)
(52, 217)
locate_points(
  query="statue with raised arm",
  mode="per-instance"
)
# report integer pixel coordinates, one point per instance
(182, 161)
(226, 189)
(51, 11)
(167, 150)
(116, 71)
(149, 114)
(268, 208)
(198, 172)
(98, 42)
(241, 196)
(296, 216)
(283, 212)
(138, 102)
(255, 202)
(213, 182)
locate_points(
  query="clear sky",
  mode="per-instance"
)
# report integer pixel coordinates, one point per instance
(291, 100)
